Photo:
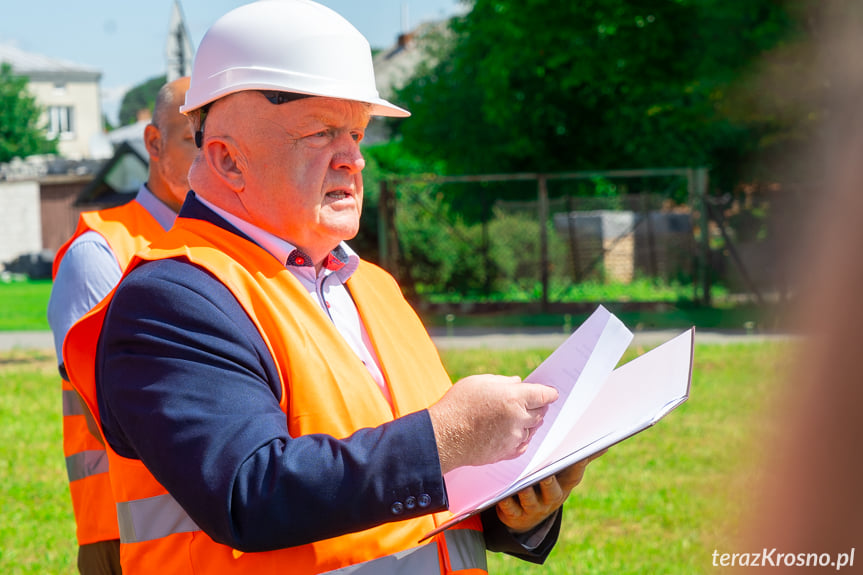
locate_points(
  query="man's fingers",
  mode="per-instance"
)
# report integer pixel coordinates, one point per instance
(538, 396)
(536, 405)
(510, 507)
(551, 490)
(542, 498)
(572, 475)
(535, 417)
(597, 455)
(529, 499)
(487, 418)
(534, 504)
(538, 411)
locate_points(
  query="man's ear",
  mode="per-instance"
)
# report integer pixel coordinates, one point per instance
(153, 141)
(224, 160)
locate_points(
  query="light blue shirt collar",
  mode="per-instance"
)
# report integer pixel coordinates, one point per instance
(157, 208)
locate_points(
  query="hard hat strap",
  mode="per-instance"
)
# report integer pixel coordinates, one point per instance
(274, 96)
(199, 133)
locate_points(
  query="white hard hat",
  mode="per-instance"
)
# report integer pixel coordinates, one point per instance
(294, 46)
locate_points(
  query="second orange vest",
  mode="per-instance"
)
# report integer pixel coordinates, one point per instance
(127, 229)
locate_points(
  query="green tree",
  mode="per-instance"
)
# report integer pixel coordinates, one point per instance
(20, 133)
(543, 85)
(141, 97)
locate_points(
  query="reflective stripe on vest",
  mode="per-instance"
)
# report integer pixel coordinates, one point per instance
(152, 518)
(466, 548)
(161, 516)
(86, 463)
(71, 404)
(422, 559)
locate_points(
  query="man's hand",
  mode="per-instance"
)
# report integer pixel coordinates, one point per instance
(487, 418)
(533, 505)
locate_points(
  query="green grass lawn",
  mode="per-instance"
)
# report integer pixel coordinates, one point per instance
(37, 529)
(23, 305)
(660, 502)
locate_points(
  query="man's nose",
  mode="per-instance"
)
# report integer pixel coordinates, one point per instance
(348, 157)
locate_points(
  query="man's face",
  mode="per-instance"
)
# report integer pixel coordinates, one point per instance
(178, 152)
(171, 145)
(303, 178)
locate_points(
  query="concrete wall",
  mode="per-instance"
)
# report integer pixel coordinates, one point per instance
(20, 219)
(627, 244)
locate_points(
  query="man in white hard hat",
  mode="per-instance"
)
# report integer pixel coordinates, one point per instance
(270, 401)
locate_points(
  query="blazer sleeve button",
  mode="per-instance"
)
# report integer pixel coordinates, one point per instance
(397, 508)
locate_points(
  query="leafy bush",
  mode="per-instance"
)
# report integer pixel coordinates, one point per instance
(438, 256)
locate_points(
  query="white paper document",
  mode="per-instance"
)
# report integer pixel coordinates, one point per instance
(598, 406)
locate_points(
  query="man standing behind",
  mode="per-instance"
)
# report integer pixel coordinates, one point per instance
(86, 269)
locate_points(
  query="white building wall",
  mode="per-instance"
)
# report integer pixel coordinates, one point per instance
(20, 219)
(55, 82)
(83, 98)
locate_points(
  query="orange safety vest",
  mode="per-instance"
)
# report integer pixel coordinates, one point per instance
(157, 535)
(127, 229)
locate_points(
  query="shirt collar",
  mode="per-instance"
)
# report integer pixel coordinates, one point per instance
(342, 261)
(156, 207)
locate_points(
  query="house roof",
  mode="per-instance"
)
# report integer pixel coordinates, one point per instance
(39, 67)
(396, 65)
(133, 134)
(118, 179)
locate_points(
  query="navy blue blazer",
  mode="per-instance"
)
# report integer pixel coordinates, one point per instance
(186, 384)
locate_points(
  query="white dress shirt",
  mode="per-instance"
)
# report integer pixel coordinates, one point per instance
(326, 288)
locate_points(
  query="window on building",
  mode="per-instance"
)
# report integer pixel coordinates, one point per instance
(61, 122)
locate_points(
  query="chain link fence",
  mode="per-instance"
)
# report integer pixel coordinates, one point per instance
(544, 239)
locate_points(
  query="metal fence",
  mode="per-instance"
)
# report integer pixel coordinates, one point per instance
(533, 238)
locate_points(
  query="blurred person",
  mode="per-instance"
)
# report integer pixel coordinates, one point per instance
(809, 503)
(807, 506)
(86, 268)
(270, 402)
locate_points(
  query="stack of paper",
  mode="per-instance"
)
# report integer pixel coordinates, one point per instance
(598, 406)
